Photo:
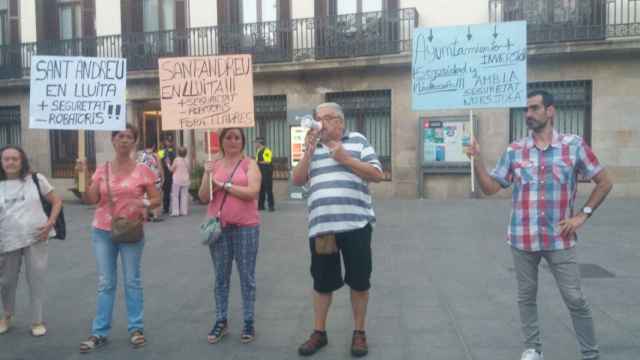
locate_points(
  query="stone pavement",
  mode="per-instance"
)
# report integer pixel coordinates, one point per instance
(443, 289)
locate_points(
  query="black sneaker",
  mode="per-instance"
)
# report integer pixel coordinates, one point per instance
(219, 330)
(317, 341)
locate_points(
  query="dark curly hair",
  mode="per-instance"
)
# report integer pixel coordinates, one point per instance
(25, 169)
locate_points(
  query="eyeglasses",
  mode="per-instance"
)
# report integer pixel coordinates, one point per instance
(329, 118)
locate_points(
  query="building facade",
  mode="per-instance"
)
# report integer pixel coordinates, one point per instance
(354, 52)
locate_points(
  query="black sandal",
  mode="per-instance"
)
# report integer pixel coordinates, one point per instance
(218, 331)
(248, 332)
(92, 343)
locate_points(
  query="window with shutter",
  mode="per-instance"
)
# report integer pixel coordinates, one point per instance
(573, 109)
(10, 126)
(369, 113)
(271, 124)
(64, 152)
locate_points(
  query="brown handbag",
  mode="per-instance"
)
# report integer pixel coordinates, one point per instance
(326, 244)
(123, 230)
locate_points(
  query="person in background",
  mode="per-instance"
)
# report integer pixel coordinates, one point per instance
(237, 177)
(264, 157)
(24, 233)
(166, 155)
(129, 182)
(149, 157)
(181, 181)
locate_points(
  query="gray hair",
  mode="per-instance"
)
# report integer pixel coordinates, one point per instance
(335, 106)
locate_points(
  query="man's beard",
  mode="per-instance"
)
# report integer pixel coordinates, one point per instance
(534, 125)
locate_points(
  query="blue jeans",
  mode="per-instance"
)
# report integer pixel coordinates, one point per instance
(106, 253)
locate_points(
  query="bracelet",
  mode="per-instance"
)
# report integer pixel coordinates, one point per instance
(227, 186)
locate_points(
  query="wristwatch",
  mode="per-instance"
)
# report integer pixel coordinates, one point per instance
(227, 186)
(587, 211)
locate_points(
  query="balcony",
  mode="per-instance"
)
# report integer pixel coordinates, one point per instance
(297, 40)
(555, 21)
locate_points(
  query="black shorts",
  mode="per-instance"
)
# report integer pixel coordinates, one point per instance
(355, 247)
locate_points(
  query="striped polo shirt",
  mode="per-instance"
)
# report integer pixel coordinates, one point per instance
(339, 200)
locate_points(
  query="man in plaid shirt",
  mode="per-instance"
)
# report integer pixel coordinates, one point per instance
(543, 170)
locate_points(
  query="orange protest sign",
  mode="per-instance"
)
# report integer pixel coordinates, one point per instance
(206, 92)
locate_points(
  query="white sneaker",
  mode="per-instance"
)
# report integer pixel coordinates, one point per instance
(38, 330)
(5, 324)
(531, 354)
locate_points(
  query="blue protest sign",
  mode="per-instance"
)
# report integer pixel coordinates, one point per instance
(471, 66)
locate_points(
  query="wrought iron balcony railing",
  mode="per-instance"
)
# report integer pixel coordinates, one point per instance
(343, 36)
(551, 21)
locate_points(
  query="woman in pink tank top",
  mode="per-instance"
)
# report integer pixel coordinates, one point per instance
(236, 184)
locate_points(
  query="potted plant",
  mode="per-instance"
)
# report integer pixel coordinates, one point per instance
(196, 179)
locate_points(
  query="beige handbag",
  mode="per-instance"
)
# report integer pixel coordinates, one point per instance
(123, 230)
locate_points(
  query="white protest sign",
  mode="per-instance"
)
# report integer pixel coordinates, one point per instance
(77, 93)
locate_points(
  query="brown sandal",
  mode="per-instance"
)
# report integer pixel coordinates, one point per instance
(137, 339)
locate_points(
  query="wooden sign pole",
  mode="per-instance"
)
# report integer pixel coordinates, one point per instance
(81, 155)
(473, 172)
(209, 154)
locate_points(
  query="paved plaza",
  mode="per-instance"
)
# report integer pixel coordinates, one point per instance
(443, 289)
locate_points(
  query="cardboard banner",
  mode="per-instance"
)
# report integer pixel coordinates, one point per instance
(472, 66)
(77, 93)
(206, 92)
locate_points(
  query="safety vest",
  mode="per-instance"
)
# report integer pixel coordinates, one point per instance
(264, 156)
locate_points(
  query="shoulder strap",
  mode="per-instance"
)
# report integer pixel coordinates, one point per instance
(224, 198)
(34, 177)
(43, 200)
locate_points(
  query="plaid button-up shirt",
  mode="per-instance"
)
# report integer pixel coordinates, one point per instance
(544, 188)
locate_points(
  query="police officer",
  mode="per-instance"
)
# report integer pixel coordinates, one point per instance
(264, 157)
(166, 155)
